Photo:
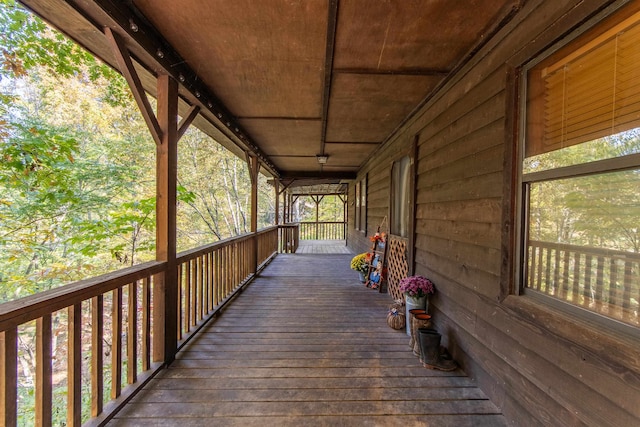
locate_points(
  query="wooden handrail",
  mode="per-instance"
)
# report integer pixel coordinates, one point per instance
(23, 310)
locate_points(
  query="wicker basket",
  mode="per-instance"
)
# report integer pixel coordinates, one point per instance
(396, 318)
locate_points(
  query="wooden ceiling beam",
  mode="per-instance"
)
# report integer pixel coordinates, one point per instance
(332, 24)
(395, 72)
(311, 175)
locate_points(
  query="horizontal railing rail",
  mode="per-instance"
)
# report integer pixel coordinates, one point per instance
(601, 280)
(322, 230)
(108, 323)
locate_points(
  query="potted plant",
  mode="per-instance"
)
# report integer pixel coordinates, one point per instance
(416, 290)
(359, 264)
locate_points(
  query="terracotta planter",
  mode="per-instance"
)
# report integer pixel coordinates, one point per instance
(410, 320)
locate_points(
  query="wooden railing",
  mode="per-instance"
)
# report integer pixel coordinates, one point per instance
(289, 238)
(100, 311)
(600, 280)
(328, 230)
(114, 314)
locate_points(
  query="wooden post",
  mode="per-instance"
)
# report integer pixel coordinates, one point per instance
(166, 132)
(8, 377)
(43, 371)
(254, 167)
(276, 186)
(165, 290)
(317, 200)
(74, 365)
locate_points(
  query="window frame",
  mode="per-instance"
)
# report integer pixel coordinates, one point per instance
(363, 204)
(360, 211)
(522, 181)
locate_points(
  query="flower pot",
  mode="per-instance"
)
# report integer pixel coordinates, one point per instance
(361, 276)
(411, 319)
(411, 303)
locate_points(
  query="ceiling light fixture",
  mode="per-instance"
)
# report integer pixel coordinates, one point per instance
(322, 158)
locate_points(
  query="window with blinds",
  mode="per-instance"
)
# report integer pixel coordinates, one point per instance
(580, 176)
(589, 93)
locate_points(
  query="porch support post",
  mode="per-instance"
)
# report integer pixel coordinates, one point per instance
(344, 214)
(276, 186)
(285, 207)
(254, 167)
(165, 289)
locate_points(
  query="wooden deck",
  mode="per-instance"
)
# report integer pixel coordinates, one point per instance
(306, 345)
(323, 247)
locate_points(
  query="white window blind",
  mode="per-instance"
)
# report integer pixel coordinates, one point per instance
(591, 93)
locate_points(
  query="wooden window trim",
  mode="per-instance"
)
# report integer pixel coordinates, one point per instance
(412, 152)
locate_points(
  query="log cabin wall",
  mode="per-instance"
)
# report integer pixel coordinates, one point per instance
(539, 365)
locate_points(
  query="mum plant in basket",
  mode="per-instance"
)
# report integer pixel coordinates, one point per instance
(416, 286)
(359, 263)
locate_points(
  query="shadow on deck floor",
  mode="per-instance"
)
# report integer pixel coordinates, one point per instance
(306, 344)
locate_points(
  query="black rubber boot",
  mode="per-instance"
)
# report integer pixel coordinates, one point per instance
(424, 331)
(430, 351)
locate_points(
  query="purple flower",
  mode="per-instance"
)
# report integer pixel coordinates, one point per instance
(416, 286)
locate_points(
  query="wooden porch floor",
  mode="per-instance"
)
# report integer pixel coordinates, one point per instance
(306, 344)
(323, 247)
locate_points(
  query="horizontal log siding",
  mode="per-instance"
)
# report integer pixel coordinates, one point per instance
(541, 366)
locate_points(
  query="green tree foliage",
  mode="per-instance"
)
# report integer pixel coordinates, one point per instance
(599, 210)
(77, 184)
(77, 181)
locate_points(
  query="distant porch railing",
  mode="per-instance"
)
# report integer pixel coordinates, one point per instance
(289, 238)
(600, 280)
(117, 313)
(325, 230)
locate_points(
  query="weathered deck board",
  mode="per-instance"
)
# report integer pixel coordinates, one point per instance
(306, 344)
(323, 247)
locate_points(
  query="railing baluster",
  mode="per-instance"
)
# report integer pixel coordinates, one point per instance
(626, 299)
(116, 343)
(588, 288)
(132, 333)
(146, 323)
(8, 377)
(181, 311)
(575, 283)
(216, 277)
(565, 273)
(207, 258)
(600, 282)
(533, 256)
(97, 355)
(187, 296)
(547, 272)
(74, 366)
(43, 371)
(613, 282)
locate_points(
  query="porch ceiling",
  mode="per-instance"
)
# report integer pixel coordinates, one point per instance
(292, 78)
